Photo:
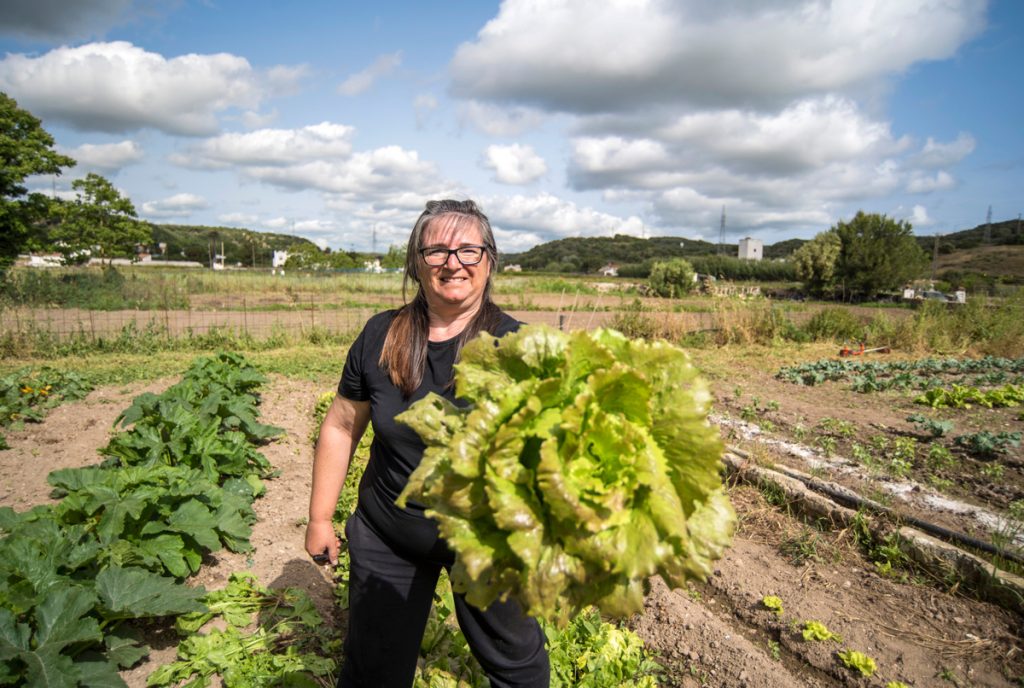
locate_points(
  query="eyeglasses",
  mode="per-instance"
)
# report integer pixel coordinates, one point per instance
(436, 256)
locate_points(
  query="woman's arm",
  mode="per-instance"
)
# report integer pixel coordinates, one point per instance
(340, 433)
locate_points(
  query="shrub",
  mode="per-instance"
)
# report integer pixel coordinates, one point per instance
(672, 278)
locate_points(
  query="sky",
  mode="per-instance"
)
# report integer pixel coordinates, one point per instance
(337, 120)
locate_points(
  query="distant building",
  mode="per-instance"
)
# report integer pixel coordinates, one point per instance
(515, 267)
(751, 249)
(373, 266)
(610, 270)
(279, 259)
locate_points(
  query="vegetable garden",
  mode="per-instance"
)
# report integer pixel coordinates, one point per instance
(179, 532)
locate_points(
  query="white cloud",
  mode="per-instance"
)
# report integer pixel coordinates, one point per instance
(523, 221)
(271, 147)
(504, 121)
(178, 205)
(238, 219)
(258, 120)
(562, 55)
(314, 226)
(919, 217)
(515, 164)
(362, 81)
(117, 87)
(922, 183)
(105, 157)
(935, 154)
(60, 20)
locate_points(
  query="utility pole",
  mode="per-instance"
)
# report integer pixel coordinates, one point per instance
(935, 254)
(988, 226)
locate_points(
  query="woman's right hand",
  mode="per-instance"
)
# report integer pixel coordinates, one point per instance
(321, 539)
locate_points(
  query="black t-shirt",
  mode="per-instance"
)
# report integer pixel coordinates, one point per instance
(396, 449)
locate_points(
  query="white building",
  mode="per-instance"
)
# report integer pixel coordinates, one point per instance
(751, 249)
(279, 259)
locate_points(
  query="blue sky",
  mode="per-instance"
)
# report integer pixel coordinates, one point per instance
(337, 120)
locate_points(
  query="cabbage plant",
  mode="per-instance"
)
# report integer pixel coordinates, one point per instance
(581, 465)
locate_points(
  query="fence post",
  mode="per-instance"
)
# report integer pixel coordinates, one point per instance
(245, 316)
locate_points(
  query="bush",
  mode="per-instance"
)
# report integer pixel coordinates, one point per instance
(835, 323)
(672, 278)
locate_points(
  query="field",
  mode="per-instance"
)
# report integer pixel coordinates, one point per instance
(843, 482)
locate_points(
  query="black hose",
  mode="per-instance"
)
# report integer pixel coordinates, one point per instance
(855, 501)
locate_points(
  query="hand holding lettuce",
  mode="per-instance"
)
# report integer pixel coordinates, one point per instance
(584, 465)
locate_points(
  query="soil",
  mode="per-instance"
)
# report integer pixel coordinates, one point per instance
(716, 633)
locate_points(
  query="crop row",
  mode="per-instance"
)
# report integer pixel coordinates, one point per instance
(925, 373)
(177, 485)
(27, 394)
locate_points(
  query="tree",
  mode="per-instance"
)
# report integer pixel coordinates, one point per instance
(815, 262)
(876, 254)
(100, 221)
(25, 149)
(395, 258)
(672, 278)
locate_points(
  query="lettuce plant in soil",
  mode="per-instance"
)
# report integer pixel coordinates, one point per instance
(579, 465)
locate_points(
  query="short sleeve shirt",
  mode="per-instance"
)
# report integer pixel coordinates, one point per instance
(396, 449)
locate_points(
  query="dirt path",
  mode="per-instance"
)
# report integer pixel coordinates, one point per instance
(713, 634)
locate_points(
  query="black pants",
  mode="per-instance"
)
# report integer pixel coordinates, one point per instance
(391, 590)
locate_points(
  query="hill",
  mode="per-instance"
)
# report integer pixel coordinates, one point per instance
(1007, 232)
(188, 242)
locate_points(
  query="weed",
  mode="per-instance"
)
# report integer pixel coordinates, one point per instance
(801, 548)
(939, 457)
(775, 650)
(827, 444)
(836, 426)
(993, 471)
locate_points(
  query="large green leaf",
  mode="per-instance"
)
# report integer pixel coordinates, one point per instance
(138, 593)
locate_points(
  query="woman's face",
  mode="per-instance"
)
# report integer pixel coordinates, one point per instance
(453, 284)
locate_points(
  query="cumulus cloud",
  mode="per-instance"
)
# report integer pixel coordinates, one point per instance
(522, 221)
(318, 157)
(118, 87)
(515, 164)
(178, 205)
(919, 217)
(561, 55)
(362, 81)
(325, 140)
(424, 105)
(105, 157)
(62, 20)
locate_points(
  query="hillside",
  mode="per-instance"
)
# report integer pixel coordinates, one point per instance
(1007, 232)
(185, 242)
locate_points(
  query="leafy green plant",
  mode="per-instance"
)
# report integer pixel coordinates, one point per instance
(988, 445)
(28, 393)
(817, 631)
(935, 428)
(775, 650)
(901, 458)
(772, 602)
(583, 466)
(858, 661)
(939, 457)
(290, 645)
(800, 548)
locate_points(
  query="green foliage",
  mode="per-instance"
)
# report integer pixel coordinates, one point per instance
(876, 254)
(238, 246)
(28, 393)
(290, 645)
(733, 268)
(99, 221)
(837, 324)
(583, 465)
(815, 262)
(934, 427)
(988, 445)
(963, 396)
(672, 278)
(591, 653)
(106, 288)
(26, 149)
(817, 631)
(772, 602)
(924, 373)
(858, 661)
(73, 573)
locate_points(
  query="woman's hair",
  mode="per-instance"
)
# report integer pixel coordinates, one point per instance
(404, 354)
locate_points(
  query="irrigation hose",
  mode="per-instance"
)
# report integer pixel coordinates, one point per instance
(855, 501)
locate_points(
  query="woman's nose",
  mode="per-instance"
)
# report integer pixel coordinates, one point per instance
(453, 262)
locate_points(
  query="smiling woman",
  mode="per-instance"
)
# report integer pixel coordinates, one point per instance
(397, 553)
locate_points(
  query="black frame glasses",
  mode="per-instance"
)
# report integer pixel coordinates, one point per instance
(436, 251)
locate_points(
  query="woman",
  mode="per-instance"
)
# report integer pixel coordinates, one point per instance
(397, 554)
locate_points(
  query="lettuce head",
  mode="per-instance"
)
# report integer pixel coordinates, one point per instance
(583, 464)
